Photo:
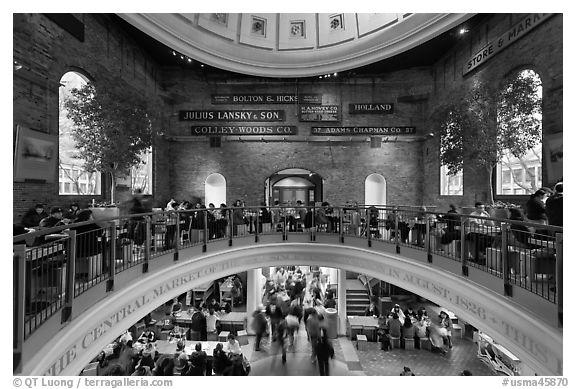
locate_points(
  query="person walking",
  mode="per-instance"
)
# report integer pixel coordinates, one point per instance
(313, 329)
(324, 352)
(259, 324)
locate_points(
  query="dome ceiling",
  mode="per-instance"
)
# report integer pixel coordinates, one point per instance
(292, 44)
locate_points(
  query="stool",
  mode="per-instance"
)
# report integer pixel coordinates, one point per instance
(91, 369)
(354, 331)
(456, 328)
(394, 342)
(242, 337)
(409, 343)
(361, 342)
(212, 337)
(425, 344)
(223, 336)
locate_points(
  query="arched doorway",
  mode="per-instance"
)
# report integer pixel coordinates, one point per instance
(291, 185)
(215, 189)
(375, 190)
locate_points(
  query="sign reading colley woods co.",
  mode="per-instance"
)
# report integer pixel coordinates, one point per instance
(267, 98)
(319, 113)
(374, 108)
(251, 115)
(243, 130)
(519, 30)
(366, 131)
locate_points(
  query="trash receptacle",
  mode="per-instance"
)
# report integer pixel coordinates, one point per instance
(331, 318)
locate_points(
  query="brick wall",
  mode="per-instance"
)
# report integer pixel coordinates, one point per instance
(540, 50)
(47, 52)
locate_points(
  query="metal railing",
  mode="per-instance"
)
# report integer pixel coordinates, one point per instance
(59, 264)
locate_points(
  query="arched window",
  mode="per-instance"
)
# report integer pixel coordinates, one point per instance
(451, 184)
(215, 189)
(520, 125)
(375, 190)
(72, 178)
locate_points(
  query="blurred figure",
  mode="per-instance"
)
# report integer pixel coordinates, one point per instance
(259, 325)
(554, 206)
(407, 372)
(313, 329)
(536, 206)
(324, 352)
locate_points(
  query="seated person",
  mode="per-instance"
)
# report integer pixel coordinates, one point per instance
(409, 312)
(176, 307)
(72, 213)
(408, 330)
(446, 327)
(452, 219)
(147, 336)
(478, 242)
(536, 206)
(519, 234)
(33, 216)
(421, 314)
(180, 357)
(221, 360)
(197, 361)
(395, 326)
(399, 312)
(232, 346)
(213, 304)
(211, 322)
(372, 310)
(55, 219)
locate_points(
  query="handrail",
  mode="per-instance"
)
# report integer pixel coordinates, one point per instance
(59, 267)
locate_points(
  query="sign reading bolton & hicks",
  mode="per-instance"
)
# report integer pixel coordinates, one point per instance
(366, 131)
(319, 113)
(243, 130)
(267, 98)
(519, 30)
(251, 115)
(374, 108)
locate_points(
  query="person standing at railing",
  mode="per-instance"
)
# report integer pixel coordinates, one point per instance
(536, 206)
(136, 225)
(264, 218)
(222, 221)
(238, 219)
(452, 219)
(554, 206)
(88, 244)
(170, 224)
(477, 240)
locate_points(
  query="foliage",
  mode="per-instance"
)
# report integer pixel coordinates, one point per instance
(112, 127)
(483, 126)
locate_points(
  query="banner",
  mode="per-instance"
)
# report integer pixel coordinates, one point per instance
(267, 98)
(319, 113)
(252, 115)
(243, 130)
(364, 131)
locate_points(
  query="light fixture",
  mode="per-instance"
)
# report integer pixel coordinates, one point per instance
(17, 65)
(189, 60)
(463, 31)
(202, 65)
(335, 74)
(181, 57)
(173, 52)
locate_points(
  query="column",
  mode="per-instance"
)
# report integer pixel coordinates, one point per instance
(342, 302)
(253, 297)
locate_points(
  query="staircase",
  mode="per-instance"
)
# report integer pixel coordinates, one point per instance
(357, 300)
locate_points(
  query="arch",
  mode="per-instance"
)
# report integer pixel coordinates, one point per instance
(536, 343)
(520, 101)
(215, 189)
(375, 189)
(73, 179)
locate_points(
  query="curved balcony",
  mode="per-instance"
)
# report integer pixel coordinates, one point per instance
(81, 285)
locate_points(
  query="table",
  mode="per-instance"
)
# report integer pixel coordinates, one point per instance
(167, 347)
(233, 318)
(366, 322)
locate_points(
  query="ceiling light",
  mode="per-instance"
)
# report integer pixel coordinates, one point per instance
(335, 74)
(173, 52)
(189, 60)
(202, 65)
(181, 57)
(17, 65)
(463, 31)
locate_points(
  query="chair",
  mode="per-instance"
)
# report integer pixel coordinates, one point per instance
(409, 343)
(395, 342)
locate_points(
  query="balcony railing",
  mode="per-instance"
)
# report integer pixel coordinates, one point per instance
(54, 266)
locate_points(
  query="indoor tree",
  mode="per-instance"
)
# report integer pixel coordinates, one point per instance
(482, 126)
(113, 126)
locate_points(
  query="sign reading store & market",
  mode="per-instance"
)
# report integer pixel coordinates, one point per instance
(267, 98)
(519, 30)
(242, 130)
(251, 115)
(319, 113)
(371, 108)
(365, 131)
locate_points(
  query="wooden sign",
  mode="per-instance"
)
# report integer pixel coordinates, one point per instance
(519, 30)
(319, 113)
(362, 131)
(371, 108)
(251, 115)
(243, 130)
(267, 98)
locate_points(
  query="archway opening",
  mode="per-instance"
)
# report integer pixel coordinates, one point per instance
(215, 189)
(375, 190)
(294, 184)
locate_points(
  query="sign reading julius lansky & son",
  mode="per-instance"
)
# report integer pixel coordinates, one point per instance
(519, 30)
(251, 115)
(243, 130)
(365, 131)
(268, 98)
(319, 113)
(374, 108)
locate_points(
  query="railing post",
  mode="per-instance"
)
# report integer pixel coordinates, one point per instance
(559, 276)
(230, 226)
(463, 253)
(284, 229)
(396, 231)
(111, 256)
(147, 243)
(428, 239)
(206, 229)
(256, 225)
(177, 237)
(505, 265)
(70, 276)
(368, 234)
(313, 226)
(341, 226)
(19, 290)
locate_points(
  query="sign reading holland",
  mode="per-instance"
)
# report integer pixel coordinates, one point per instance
(374, 108)
(243, 130)
(365, 131)
(519, 30)
(252, 115)
(267, 98)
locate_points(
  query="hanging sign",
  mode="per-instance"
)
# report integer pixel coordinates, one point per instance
(371, 108)
(365, 131)
(252, 115)
(267, 98)
(519, 30)
(319, 113)
(243, 130)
